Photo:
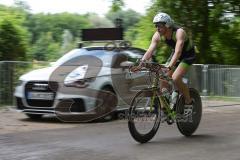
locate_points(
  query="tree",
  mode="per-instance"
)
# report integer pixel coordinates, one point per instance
(12, 44)
(50, 28)
(226, 43)
(15, 18)
(56, 23)
(116, 5)
(45, 49)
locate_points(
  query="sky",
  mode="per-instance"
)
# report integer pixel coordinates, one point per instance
(80, 6)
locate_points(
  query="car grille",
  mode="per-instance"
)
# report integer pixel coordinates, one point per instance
(41, 87)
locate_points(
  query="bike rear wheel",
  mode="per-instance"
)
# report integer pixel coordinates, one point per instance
(188, 124)
(143, 120)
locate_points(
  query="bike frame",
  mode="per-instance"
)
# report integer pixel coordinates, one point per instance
(156, 94)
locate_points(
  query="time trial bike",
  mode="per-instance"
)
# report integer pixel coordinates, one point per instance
(151, 106)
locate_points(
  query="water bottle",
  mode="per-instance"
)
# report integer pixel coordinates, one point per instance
(174, 98)
(165, 93)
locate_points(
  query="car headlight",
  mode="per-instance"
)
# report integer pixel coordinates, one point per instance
(76, 75)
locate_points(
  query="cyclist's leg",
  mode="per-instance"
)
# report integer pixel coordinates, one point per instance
(170, 73)
(164, 84)
(177, 76)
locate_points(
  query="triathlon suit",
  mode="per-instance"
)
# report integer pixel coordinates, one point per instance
(188, 52)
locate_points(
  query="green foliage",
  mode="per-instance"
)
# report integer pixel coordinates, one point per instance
(226, 43)
(12, 44)
(56, 24)
(116, 5)
(13, 14)
(48, 30)
(45, 48)
(14, 36)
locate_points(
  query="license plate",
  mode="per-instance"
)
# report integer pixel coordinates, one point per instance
(40, 95)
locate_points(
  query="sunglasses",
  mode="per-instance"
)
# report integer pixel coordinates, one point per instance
(159, 25)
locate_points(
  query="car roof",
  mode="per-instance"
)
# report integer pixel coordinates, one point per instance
(91, 48)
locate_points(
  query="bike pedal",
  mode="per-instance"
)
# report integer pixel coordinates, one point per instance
(170, 121)
(165, 118)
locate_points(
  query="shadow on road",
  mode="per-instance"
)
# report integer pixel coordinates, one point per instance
(54, 119)
(181, 140)
(47, 119)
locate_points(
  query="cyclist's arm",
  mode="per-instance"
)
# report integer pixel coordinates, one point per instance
(180, 36)
(152, 47)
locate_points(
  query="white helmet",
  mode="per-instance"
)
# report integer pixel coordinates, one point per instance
(163, 17)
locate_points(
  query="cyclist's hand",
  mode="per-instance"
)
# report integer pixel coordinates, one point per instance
(167, 69)
(135, 68)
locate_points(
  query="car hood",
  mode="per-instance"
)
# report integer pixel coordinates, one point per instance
(39, 74)
(45, 74)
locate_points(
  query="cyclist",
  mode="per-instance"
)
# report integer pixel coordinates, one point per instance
(183, 54)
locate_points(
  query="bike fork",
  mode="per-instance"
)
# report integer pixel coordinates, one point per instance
(171, 114)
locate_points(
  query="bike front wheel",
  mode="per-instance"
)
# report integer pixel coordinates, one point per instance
(188, 122)
(144, 116)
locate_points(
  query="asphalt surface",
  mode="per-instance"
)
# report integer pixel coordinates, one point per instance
(217, 138)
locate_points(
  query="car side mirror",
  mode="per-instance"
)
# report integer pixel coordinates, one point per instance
(126, 64)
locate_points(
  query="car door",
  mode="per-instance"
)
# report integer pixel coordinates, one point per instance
(128, 84)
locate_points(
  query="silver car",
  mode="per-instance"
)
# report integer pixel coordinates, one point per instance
(85, 84)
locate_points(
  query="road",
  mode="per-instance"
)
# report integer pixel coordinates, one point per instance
(218, 137)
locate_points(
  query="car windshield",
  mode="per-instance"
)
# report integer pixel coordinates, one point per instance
(105, 57)
(73, 53)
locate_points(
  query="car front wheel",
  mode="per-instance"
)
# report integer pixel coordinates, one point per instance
(111, 115)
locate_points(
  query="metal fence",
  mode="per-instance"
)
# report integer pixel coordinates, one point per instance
(10, 71)
(217, 84)
(209, 80)
(215, 80)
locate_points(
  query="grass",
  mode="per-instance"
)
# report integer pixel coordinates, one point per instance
(223, 98)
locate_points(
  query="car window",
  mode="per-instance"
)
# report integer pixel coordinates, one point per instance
(105, 56)
(73, 53)
(118, 59)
